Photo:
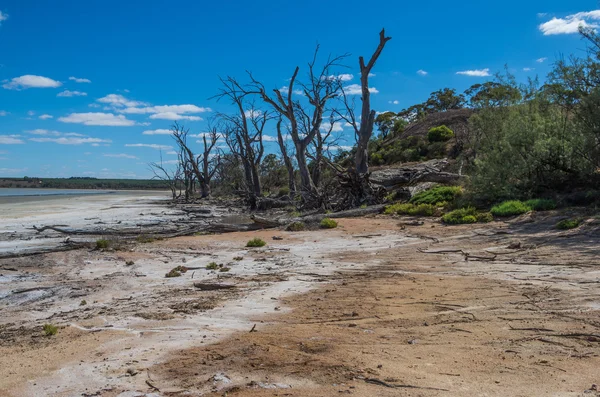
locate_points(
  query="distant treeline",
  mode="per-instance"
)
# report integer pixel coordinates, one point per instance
(83, 183)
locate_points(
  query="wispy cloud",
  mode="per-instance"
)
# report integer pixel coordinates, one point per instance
(46, 117)
(12, 171)
(79, 80)
(528, 69)
(121, 156)
(421, 72)
(285, 90)
(395, 102)
(541, 60)
(121, 104)
(150, 145)
(157, 132)
(476, 72)
(3, 16)
(11, 140)
(571, 23)
(67, 140)
(118, 100)
(67, 93)
(3, 113)
(30, 81)
(105, 119)
(355, 89)
(337, 127)
(174, 116)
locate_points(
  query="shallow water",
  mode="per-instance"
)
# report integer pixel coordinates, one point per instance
(16, 192)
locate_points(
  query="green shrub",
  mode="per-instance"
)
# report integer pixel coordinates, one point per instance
(410, 209)
(83, 303)
(568, 224)
(224, 269)
(484, 217)
(460, 216)
(510, 208)
(50, 329)
(102, 244)
(256, 242)
(541, 204)
(173, 273)
(296, 227)
(143, 239)
(440, 134)
(212, 266)
(283, 191)
(437, 196)
(328, 223)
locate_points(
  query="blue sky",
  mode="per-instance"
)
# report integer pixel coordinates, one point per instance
(81, 81)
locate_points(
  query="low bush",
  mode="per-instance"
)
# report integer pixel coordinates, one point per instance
(212, 266)
(296, 227)
(224, 269)
(541, 204)
(510, 208)
(102, 244)
(484, 217)
(440, 134)
(50, 329)
(568, 224)
(328, 223)
(283, 191)
(439, 195)
(410, 209)
(255, 243)
(460, 216)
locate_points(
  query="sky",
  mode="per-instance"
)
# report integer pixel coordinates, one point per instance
(91, 88)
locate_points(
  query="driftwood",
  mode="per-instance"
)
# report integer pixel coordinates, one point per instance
(213, 286)
(407, 175)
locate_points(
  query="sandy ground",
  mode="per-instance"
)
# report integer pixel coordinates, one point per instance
(377, 307)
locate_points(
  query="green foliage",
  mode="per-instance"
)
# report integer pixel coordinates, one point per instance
(440, 134)
(296, 227)
(283, 191)
(50, 330)
(102, 244)
(411, 149)
(493, 94)
(256, 242)
(328, 223)
(438, 196)
(541, 204)
(176, 271)
(212, 266)
(389, 123)
(460, 216)
(144, 239)
(568, 224)
(484, 217)
(510, 208)
(224, 269)
(410, 209)
(83, 303)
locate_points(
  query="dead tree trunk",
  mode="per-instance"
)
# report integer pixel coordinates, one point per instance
(367, 114)
(287, 160)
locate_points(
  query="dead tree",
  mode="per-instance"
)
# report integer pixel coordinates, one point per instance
(289, 165)
(244, 135)
(172, 176)
(201, 167)
(318, 91)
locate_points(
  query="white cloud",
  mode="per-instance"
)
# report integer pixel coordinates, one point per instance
(172, 153)
(3, 113)
(395, 102)
(79, 80)
(157, 132)
(179, 109)
(3, 16)
(421, 72)
(10, 140)
(337, 127)
(151, 146)
(476, 73)
(269, 138)
(30, 81)
(71, 140)
(121, 156)
(46, 117)
(252, 113)
(285, 89)
(571, 23)
(40, 131)
(31, 113)
(372, 75)
(173, 116)
(67, 93)
(355, 89)
(120, 101)
(541, 60)
(528, 69)
(105, 119)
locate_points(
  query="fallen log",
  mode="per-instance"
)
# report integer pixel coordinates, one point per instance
(406, 175)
